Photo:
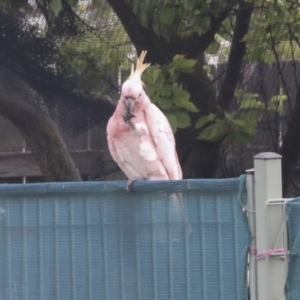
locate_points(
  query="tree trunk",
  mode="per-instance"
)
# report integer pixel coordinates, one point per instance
(236, 55)
(199, 159)
(291, 145)
(18, 103)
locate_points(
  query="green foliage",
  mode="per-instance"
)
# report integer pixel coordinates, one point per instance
(56, 6)
(95, 55)
(274, 35)
(177, 18)
(240, 126)
(92, 58)
(14, 4)
(163, 89)
(238, 129)
(274, 32)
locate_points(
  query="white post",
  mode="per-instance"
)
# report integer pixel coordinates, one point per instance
(271, 272)
(252, 227)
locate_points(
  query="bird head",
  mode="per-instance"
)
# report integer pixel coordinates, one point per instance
(133, 95)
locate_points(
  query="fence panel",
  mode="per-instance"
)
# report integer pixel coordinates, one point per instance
(292, 287)
(165, 240)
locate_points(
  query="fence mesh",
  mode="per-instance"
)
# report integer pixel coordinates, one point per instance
(95, 241)
(292, 288)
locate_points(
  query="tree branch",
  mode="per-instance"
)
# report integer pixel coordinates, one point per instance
(291, 144)
(37, 128)
(161, 51)
(195, 45)
(280, 69)
(237, 51)
(141, 37)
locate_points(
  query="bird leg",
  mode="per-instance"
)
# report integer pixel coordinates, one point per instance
(129, 184)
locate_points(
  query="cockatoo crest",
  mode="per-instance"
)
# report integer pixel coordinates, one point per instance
(140, 67)
(133, 86)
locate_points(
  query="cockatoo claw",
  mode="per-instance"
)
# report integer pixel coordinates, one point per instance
(127, 119)
(129, 185)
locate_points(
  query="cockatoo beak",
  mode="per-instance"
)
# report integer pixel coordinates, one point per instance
(129, 104)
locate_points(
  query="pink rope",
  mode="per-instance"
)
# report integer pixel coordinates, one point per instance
(280, 251)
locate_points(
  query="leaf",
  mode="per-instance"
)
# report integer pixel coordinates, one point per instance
(239, 137)
(202, 121)
(213, 132)
(251, 116)
(181, 99)
(17, 4)
(268, 57)
(156, 74)
(166, 31)
(279, 98)
(56, 6)
(184, 65)
(238, 93)
(71, 2)
(164, 103)
(180, 96)
(166, 91)
(277, 107)
(116, 55)
(256, 53)
(167, 15)
(178, 57)
(239, 123)
(250, 128)
(171, 71)
(213, 48)
(254, 35)
(150, 91)
(207, 69)
(211, 117)
(251, 104)
(173, 121)
(183, 119)
(189, 106)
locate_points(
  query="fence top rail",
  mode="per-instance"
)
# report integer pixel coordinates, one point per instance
(203, 185)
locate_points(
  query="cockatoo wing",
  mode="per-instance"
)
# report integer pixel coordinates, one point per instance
(119, 152)
(163, 138)
(111, 145)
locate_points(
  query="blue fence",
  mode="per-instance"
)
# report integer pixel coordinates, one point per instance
(165, 240)
(292, 287)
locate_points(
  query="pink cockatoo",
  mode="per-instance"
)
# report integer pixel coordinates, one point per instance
(140, 138)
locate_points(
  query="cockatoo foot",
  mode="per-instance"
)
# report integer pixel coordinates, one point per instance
(127, 116)
(129, 185)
